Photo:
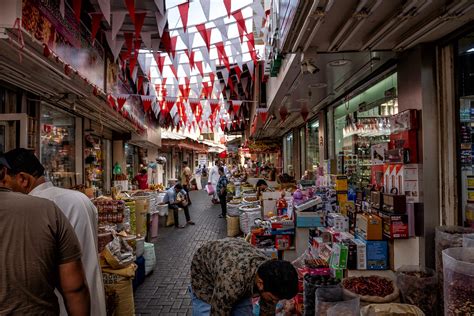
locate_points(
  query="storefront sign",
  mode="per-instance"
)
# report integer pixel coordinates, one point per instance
(264, 147)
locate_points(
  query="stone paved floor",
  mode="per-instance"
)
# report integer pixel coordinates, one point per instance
(164, 292)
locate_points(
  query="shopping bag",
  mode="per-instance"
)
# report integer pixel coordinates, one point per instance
(210, 189)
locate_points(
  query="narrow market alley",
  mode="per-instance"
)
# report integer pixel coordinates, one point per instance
(164, 292)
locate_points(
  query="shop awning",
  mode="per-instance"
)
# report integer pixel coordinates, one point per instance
(184, 144)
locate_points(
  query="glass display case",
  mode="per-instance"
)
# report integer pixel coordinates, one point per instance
(57, 146)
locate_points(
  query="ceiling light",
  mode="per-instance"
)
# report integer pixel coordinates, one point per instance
(318, 85)
(470, 50)
(339, 62)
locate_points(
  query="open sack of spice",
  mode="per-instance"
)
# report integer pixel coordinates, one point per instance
(418, 286)
(372, 289)
(118, 253)
(392, 309)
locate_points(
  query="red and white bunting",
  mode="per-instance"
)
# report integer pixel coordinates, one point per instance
(223, 28)
(283, 113)
(236, 104)
(183, 12)
(96, 18)
(228, 7)
(184, 37)
(263, 114)
(160, 5)
(62, 8)
(304, 112)
(111, 101)
(205, 54)
(251, 68)
(76, 7)
(117, 22)
(205, 34)
(206, 8)
(139, 20)
(225, 75)
(147, 101)
(121, 99)
(146, 38)
(161, 20)
(131, 9)
(104, 6)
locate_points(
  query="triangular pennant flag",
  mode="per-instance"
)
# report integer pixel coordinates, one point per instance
(133, 62)
(206, 8)
(184, 37)
(104, 6)
(137, 45)
(258, 10)
(227, 4)
(160, 62)
(205, 34)
(283, 113)
(183, 12)
(146, 38)
(174, 70)
(212, 65)
(251, 68)
(76, 5)
(240, 20)
(139, 20)
(191, 59)
(304, 112)
(244, 82)
(121, 99)
(225, 75)
(251, 41)
(161, 20)
(155, 44)
(212, 77)
(186, 69)
(236, 106)
(145, 87)
(190, 41)
(223, 28)
(173, 41)
(160, 5)
(62, 8)
(111, 101)
(96, 17)
(146, 101)
(237, 72)
(236, 44)
(263, 113)
(199, 67)
(129, 42)
(131, 9)
(166, 40)
(205, 54)
(117, 21)
(140, 84)
(238, 60)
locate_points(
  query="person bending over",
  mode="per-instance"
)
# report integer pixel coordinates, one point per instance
(226, 274)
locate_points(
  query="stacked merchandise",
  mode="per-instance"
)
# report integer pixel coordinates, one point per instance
(274, 235)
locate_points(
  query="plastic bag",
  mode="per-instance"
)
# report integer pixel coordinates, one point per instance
(210, 189)
(458, 281)
(392, 309)
(118, 253)
(170, 218)
(468, 240)
(418, 286)
(310, 285)
(150, 258)
(334, 301)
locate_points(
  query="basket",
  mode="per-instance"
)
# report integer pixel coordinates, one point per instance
(233, 226)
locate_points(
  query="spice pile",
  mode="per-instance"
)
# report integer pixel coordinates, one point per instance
(459, 294)
(369, 286)
(419, 288)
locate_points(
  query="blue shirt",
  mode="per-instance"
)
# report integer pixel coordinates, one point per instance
(170, 196)
(222, 183)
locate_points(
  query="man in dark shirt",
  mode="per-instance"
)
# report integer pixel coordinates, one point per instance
(39, 252)
(227, 273)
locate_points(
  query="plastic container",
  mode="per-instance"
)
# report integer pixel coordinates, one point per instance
(447, 237)
(333, 301)
(468, 240)
(458, 271)
(418, 286)
(310, 284)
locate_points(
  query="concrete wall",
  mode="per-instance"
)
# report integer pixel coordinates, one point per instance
(417, 90)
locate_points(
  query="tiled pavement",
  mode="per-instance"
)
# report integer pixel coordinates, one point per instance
(164, 292)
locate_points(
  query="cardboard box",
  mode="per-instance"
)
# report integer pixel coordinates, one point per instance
(282, 242)
(369, 226)
(361, 254)
(272, 195)
(395, 226)
(345, 207)
(310, 219)
(270, 252)
(407, 140)
(341, 183)
(352, 254)
(269, 206)
(338, 222)
(377, 153)
(377, 254)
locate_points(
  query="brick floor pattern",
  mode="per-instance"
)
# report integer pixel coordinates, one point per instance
(164, 292)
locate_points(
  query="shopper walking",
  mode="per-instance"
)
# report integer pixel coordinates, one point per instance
(227, 273)
(38, 252)
(186, 176)
(213, 179)
(171, 198)
(79, 210)
(221, 189)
